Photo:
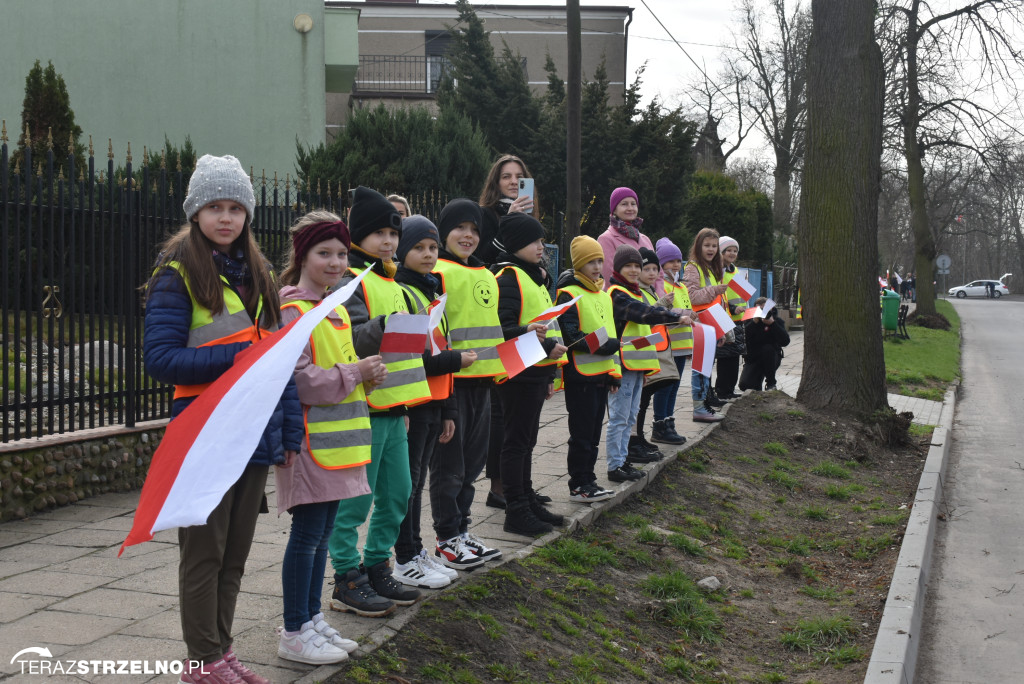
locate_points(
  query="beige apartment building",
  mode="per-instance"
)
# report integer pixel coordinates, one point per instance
(402, 45)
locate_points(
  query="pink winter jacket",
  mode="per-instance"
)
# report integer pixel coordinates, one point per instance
(610, 241)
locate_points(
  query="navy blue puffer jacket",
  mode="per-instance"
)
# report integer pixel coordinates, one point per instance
(168, 359)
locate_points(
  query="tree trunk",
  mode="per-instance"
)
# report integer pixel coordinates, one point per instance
(844, 366)
(573, 130)
(782, 204)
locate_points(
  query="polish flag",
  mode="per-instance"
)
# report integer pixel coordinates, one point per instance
(555, 311)
(438, 343)
(520, 353)
(717, 318)
(405, 334)
(641, 342)
(751, 314)
(205, 449)
(596, 339)
(703, 349)
(881, 282)
(742, 287)
(899, 281)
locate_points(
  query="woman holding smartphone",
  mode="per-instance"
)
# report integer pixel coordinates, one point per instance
(624, 224)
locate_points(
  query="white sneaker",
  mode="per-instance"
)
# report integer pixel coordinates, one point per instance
(479, 548)
(455, 553)
(324, 629)
(416, 573)
(310, 647)
(438, 566)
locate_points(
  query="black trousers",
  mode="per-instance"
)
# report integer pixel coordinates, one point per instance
(645, 402)
(585, 402)
(457, 464)
(425, 425)
(728, 374)
(497, 439)
(521, 406)
(759, 367)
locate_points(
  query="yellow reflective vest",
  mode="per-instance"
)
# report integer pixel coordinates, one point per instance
(681, 336)
(337, 435)
(472, 312)
(206, 328)
(732, 299)
(406, 382)
(652, 300)
(645, 358)
(595, 311)
(535, 298)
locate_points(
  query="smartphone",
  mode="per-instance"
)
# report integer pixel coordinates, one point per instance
(526, 188)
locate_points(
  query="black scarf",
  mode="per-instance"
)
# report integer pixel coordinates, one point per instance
(234, 268)
(424, 282)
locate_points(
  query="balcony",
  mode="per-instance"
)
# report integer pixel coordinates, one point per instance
(402, 75)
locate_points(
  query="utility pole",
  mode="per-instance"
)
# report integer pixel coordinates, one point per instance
(574, 92)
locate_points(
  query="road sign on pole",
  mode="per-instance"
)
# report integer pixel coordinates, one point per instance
(943, 262)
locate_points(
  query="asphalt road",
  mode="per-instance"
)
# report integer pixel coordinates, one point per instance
(974, 614)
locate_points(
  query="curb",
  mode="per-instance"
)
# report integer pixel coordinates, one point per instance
(587, 514)
(894, 656)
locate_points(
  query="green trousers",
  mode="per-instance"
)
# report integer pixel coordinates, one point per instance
(390, 485)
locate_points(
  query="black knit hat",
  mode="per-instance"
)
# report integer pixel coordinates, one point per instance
(649, 256)
(517, 230)
(414, 229)
(371, 211)
(458, 211)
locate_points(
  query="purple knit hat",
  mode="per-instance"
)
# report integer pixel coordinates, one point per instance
(619, 194)
(667, 251)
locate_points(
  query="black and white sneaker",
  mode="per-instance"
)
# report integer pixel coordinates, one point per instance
(455, 553)
(589, 493)
(479, 548)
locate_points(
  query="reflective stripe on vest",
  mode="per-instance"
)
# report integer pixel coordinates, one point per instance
(703, 284)
(406, 382)
(337, 435)
(472, 312)
(440, 385)
(652, 300)
(232, 324)
(732, 299)
(595, 311)
(644, 359)
(681, 336)
(534, 298)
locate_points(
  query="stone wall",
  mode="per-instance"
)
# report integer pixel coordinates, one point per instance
(38, 477)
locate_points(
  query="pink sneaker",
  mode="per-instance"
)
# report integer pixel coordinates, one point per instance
(217, 672)
(244, 673)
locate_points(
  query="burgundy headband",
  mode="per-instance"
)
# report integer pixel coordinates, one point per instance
(313, 235)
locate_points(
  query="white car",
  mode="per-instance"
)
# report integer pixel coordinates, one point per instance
(978, 288)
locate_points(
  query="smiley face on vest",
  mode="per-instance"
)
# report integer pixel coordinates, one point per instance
(484, 295)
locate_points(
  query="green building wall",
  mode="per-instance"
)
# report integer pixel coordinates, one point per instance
(235, 75)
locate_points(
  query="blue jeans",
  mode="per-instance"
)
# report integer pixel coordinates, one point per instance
(305, 559)
(622, 409)
(665, 398)
(699, 385)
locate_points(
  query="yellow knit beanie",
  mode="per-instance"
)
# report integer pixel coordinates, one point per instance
(583, 250)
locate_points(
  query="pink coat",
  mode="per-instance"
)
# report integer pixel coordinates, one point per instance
(610, 241)
(305, 482)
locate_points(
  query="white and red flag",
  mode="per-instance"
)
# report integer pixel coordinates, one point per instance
(438, 342)
(520, 353)
(555, 311)
(596, 339)
(703, 349)
(882, 282)
(641, 342)
(405, 334)
(205, 449)
(742, 287)
(717, 318)
(756, 312)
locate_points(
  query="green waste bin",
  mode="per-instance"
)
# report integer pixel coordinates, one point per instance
(890, 310)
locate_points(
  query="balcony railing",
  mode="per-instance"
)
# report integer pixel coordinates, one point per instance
(402, 74)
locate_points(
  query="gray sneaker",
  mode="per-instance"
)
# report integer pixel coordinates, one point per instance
(353, 594)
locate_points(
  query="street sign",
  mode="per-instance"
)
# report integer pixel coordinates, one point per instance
(943, 261)
(943, 271)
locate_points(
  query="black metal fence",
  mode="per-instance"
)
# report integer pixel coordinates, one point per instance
(76, 244)
(405, 74)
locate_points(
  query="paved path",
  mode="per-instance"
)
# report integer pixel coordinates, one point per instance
(975, 599)
(63, 587)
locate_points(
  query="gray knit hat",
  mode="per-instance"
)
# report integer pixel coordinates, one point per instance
(219, 178)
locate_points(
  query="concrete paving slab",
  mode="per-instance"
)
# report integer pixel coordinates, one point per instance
(11, 568)
(14, 606)
(84, 537)
(165, 624)
(33, 552)
(160, 580)
(98, 508)
(116, 603)
(57, 627)
(52, 583)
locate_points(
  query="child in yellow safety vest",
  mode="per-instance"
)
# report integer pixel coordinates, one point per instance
(633, 320)
(368, 588)
(680, 339)
(522, 295)
(332, 384)
(431, 422)
(473, 325)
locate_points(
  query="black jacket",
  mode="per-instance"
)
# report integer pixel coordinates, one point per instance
(763, 339)
(626, 309)
(510, 305)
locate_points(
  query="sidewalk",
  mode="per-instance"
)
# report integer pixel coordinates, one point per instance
(63, 587)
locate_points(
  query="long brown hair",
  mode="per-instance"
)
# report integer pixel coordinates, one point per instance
(491, 193)
(194, 252)
(291, 271)
(697, 254)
